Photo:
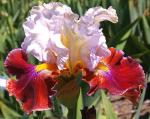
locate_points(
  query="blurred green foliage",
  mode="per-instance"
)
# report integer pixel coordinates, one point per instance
(131, 34)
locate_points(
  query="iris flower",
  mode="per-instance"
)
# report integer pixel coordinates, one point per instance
(65, 44)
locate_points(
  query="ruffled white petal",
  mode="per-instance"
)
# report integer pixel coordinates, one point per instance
(55, 34)
(100, 14)
(94, 47)
(43, 30)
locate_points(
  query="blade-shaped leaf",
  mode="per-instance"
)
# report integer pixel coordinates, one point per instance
(110, 114)
(7, 112)
(124, 34)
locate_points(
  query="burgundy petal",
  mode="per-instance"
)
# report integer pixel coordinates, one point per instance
(33, 89)
(16, 62)
(124, 77)
(35, 94)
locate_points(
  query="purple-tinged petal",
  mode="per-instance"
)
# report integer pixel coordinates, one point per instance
(124, 76)
(33, 89)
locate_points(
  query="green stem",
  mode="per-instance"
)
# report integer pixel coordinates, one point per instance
(72, 112)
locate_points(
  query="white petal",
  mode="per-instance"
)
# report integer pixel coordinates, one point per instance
(54, 34)
(59, 50)
(43, 30)
(100, 14)
(94, 47)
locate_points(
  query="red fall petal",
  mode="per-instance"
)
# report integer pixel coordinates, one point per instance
(33, 89)
(124, 77)
(35, 95)
(16, 62)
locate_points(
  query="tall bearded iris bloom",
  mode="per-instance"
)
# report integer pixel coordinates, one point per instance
(66, 44)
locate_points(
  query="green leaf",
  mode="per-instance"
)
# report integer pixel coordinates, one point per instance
(79, 105)
(137, 115)
(7, 112)
(3, 36)
(79, 8)
(141, 54)
(121, 45)
(57, 108)
(88, 100)
(133, 10)
(114, 3)
(124, 34)
(101, 117)
(146, 29)
(110, 114)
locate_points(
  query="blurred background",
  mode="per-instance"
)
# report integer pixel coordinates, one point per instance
(131, 34)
